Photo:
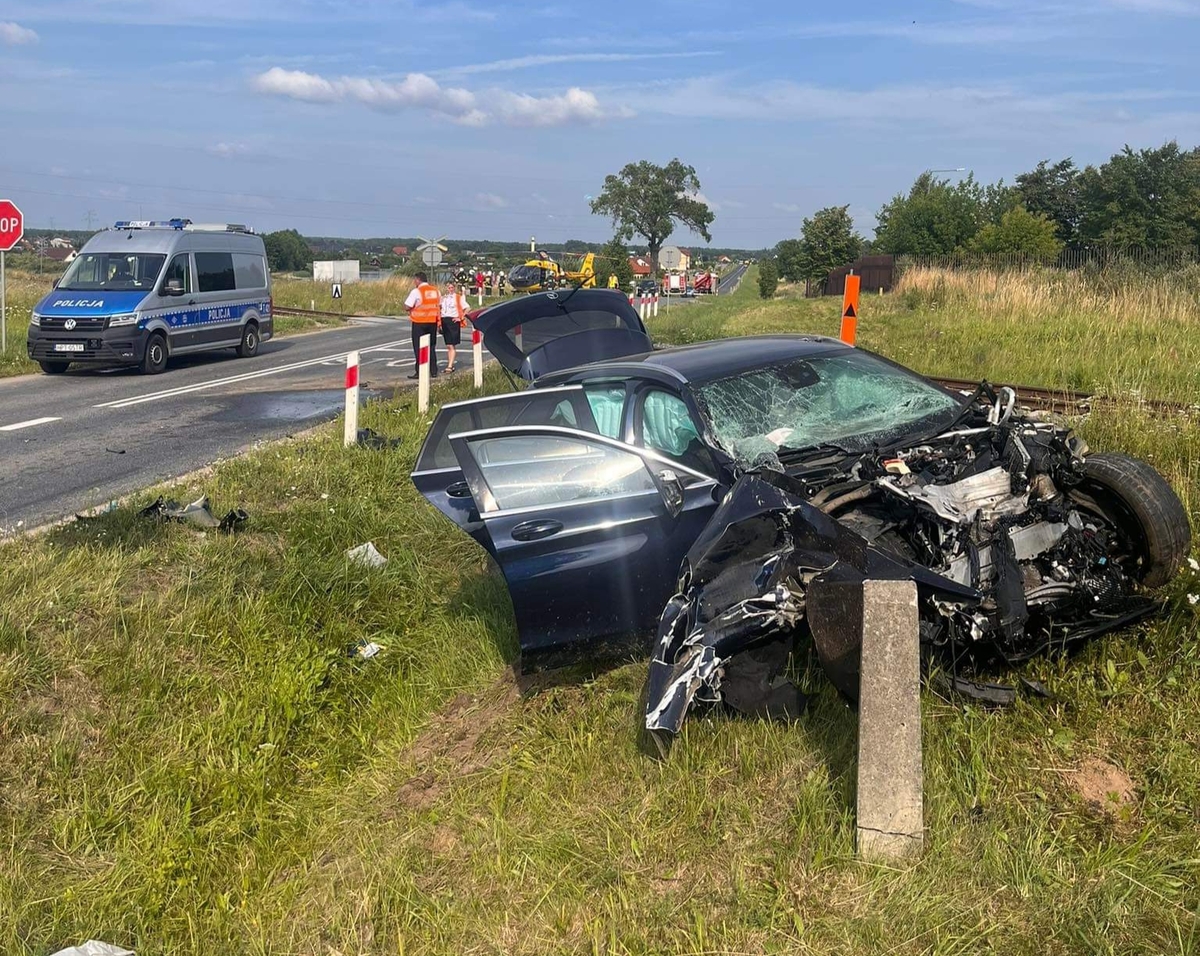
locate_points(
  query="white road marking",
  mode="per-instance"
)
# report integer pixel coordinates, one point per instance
(28, 424)
(234, 379)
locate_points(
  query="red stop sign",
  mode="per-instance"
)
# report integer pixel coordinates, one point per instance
(12, 225)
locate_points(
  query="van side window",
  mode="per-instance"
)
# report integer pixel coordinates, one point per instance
(249, 271)
(181, 270)
(214, 272)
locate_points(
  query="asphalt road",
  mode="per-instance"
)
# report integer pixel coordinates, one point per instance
(74, 441)
(725, 286)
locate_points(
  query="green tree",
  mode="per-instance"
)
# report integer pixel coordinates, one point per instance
(1053, 191)
(287, 251)
(935, 218)
(788, 257)
(648, 201)
(768, 278)
(1148, 197)
(613, 258)
(1019, 231)
(827, 241)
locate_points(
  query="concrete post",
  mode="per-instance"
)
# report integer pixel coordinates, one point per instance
(890, 804)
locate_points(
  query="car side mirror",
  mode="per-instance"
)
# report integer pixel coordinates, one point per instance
(670, 489)
(173, 287)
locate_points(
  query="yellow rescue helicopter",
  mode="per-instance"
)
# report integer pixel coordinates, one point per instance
(541, 273)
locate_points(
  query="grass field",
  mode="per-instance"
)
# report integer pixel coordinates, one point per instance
(191, 763)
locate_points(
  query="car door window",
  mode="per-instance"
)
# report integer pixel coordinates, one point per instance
(608, 408)
(180, 269)
(525, 471)
(565, 407)
(668, 427)
(214, 271)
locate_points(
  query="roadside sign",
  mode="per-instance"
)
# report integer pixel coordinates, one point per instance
(670, 258)
(337, 290)
(12, 225)
(431, 256)
(850, 309)
(12, 228)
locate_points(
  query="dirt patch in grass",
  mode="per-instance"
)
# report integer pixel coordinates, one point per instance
(1104, 787)
(452, 745)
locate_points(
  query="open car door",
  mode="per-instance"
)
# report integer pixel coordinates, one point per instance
(588, 531)
(437, 474)
(552, 331)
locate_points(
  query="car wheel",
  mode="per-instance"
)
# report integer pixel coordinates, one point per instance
(1145, 510)
(155, 359)
(249, 343)
(54, 368)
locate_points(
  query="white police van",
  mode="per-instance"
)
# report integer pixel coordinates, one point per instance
(141, 292)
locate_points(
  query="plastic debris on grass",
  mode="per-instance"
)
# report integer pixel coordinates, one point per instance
(198, 513)
(93, 947)
(369, 438)
(366, 555)
(365, 650)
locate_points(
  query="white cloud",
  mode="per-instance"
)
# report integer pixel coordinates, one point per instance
(789, 207)
(555, 59)
(491, 200)
(13, 34)
(700, 197)
(227, 150)
(420, 91)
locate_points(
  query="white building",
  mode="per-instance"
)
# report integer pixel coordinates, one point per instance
(335, 270)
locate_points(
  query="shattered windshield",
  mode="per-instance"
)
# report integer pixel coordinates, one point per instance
(851, 399)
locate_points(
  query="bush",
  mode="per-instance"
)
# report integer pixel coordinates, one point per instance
(768, 278)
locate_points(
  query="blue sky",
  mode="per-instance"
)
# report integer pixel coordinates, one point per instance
(499, 120)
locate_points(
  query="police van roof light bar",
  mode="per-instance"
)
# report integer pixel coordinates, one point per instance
(182, 224)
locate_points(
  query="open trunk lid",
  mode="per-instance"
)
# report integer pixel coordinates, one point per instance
(550, 331)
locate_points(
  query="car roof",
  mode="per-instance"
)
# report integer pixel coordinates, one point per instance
(705, 361)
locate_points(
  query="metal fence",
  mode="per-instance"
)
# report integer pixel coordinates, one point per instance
(1140, 258)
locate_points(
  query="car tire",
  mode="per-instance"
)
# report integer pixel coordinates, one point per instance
(1138, 500)
(54, 368)
(154, 361)
(248, 347)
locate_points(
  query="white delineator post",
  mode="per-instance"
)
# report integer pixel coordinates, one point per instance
(479, 299)
(477, 356)
(423, 375)
(520, 339)
(350, 436)
(655, 312)
(642, 307)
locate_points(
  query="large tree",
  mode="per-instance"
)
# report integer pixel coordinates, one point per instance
(827, 240)
(789, 257)
(1147, 197)
(1053, 191)
(287, 251)
(649, 201)
(936, 218)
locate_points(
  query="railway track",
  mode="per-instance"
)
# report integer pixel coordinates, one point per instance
(311, 313)
(1070, 401)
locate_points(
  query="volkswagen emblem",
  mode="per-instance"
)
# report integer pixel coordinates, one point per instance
(69, 324)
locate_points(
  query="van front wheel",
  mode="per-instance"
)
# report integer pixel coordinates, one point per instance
(54, 368)
(249, 343)
(155, 359)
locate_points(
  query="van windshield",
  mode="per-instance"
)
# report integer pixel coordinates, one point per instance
(112, 272)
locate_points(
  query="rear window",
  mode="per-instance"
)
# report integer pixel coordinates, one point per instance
(214, 272)
(249, 271)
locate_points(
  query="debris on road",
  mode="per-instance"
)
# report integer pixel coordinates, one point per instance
(198, 513)
(366, 555)
(365, 650)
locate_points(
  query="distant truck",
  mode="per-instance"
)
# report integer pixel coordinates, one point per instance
(705, 283)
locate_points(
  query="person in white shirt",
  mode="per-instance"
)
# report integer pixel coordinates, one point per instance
(454, 314)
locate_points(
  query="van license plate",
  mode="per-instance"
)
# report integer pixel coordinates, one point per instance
(68, 347)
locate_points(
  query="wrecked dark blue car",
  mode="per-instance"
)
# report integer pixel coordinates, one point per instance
(720, 502)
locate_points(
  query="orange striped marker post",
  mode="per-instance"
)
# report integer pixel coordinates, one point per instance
(850, 310)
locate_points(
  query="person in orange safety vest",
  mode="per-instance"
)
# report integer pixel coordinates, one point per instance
(454, 314)
(424, 307)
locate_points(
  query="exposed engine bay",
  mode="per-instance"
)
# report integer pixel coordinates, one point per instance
(1019, 542)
